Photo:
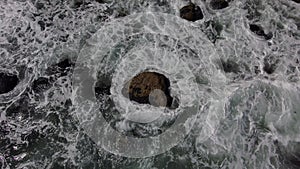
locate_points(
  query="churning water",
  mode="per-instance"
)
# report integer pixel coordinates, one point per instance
(235, 75)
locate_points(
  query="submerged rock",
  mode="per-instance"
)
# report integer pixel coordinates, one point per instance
(219, 4)
(8, 82)
(191, 12)
(149, 88)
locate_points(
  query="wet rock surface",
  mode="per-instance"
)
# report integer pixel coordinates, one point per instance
(8, 82)
(149, 88)
(191, 12)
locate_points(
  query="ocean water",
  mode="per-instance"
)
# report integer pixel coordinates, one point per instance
(235, 75)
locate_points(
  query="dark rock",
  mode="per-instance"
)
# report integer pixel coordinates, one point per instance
(191, 12)
(258, 30)
(149, 88)
(297, 1)
(8, 82)
(219, 4)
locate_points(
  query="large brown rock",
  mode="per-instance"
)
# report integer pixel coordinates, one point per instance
(149, 88)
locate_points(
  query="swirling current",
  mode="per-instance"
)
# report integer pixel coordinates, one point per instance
(234, 73)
